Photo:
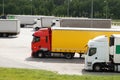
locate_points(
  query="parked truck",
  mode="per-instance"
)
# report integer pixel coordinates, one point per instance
(64, 41)
(25, 20)
(43, 22)
(82, 23)
(9, 27)
(103, 53)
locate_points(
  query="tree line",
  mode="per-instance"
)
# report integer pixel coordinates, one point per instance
(71, 8)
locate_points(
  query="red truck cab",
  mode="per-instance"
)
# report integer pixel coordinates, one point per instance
(41, 42)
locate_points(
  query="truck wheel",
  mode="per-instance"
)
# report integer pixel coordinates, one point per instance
(37, 28)
(22, 25)
(0, 35)
(68, 55)
(5, 35)
(41, 54)
(97, 68)
(34, 55)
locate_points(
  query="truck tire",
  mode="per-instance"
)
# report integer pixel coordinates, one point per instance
(41, 54)
(37, 28)
(97, 68)
(5, 35)
(0, 35)
(68, 55)
(22, 25)
(34, 55)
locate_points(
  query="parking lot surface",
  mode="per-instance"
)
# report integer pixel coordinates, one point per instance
(15, 52)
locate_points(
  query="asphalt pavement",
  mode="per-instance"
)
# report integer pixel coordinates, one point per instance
(15, 52)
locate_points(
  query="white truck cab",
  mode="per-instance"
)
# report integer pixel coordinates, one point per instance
(102, 56)
(37, 24)
(55, 23)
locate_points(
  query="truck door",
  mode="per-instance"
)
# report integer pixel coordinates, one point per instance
(90, 57)
(46, 40)
(45, 43)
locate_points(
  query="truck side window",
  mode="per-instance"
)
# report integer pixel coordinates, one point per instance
(92, 51)
(36, 39)
(53, 24)
(111, 41)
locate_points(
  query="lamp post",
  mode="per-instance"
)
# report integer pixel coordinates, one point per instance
(106, 9)
(31, 7)
(3, 7)
(92, 8)
(68, 9)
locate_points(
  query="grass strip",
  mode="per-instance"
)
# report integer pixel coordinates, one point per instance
(33, 74)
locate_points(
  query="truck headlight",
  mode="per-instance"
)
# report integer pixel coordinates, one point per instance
(89, 63)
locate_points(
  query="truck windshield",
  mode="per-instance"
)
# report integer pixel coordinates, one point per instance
(92, 51)
(36, 39)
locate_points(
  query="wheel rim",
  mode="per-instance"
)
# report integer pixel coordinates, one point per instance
(68, 56)
(97, 68)
(40, 55)
(4, 35)
(36, 28)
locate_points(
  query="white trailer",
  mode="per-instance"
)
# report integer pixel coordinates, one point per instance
(9, 27)
(82, 23)
(103, 54)
(43, 22)
(25, 20)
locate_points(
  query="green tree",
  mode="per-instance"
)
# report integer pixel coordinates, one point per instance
(76, 8)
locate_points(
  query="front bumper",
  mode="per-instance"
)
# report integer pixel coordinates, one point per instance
(88, 66)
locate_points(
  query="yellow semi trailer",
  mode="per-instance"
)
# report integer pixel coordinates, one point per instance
(66, 41)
